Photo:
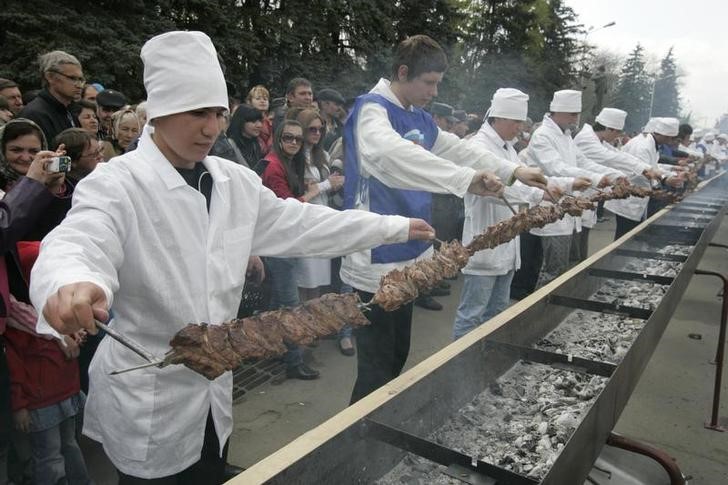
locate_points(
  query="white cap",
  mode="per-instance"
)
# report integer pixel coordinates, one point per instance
(510, 104)
(709, 137)
(566, 101)
(663, 126)
(182, 73)
(612, 118)
(723, 136)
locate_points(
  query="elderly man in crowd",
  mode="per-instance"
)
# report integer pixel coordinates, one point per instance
(11, 91)
(552, 149)
(630, 212)
(62, 79)
(488, 274)
(165, 232)
(108, 102)
(331, 105)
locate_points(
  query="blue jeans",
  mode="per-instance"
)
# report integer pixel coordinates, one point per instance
(346, 331)
(56, 455)
(482, 298)
(284, 293)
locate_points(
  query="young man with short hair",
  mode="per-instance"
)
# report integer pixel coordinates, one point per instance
(396, 157)
(164, 233)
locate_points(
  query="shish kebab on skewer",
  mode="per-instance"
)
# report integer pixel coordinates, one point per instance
(212, 350)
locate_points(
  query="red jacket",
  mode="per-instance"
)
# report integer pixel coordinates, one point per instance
(40, 375)
(275, 178)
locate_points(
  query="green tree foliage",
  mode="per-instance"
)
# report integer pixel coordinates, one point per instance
(528, 44)
(667, 92)
(633, 91)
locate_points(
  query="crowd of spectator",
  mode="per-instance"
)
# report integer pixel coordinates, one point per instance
(295, 145)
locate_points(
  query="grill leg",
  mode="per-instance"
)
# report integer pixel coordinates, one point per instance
(714, 423)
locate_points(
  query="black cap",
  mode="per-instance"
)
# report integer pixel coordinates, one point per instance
(109, 98)
(328, 94)
(460, 115)
(441, 109)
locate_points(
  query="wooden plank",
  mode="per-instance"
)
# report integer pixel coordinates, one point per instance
(270, 466)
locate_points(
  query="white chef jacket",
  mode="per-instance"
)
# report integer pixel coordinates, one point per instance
(555, 152)
(141, 233)
(401, 164)
(644, 148)
(481, 212)
(601, 159)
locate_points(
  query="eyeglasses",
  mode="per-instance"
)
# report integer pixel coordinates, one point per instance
(94, 154)
(288, 138)
(80, 81)
(316, 129)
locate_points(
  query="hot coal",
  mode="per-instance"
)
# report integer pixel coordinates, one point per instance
(636, 294)
(593, 335)
(521, 423)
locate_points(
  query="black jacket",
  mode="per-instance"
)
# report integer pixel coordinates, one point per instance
(50, 114)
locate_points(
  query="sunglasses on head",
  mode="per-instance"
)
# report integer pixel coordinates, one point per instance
(288, 138)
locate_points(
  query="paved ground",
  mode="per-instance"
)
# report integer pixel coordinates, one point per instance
(667, 409)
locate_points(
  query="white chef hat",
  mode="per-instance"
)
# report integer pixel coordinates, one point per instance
(663, 126)
(510, 104)
(612, 118)
(182, 73)
(566, 101)
(709, 137)
(723, 136)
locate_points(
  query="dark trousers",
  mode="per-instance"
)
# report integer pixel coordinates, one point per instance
(624, 225)
(655, 205)
(524, 281)
(579, 246)
(209, 470)
(381, 348)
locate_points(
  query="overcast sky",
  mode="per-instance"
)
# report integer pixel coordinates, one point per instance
(698, 29)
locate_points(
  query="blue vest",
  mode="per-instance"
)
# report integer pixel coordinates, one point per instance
(415, 125)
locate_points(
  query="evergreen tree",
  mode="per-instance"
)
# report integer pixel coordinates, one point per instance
(667, 92)
(633, 91)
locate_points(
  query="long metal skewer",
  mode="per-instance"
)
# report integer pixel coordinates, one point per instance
(508, 204)
(156, 363)
(127, 342)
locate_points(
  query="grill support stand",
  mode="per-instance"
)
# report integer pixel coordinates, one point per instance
(714, 423)
(666, 461)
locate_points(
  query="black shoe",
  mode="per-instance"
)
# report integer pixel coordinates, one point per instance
(437, 291)
(444, 285)
(303, 372)
(346, 346)
(428, 303)
(231, 471)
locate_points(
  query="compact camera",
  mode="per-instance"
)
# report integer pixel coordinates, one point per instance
(59, 164)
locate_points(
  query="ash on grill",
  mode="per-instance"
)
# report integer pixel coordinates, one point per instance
(656, 267)
(593, 335)
(521, 423)
(637, 294)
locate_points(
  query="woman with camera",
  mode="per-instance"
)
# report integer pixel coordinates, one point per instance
(43, 387)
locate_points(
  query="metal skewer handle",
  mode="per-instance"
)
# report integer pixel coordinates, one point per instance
(127, 342)
(508, 204)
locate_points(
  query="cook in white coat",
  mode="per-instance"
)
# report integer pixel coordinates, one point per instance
(146, 237)
(632, 210)
(552, 149)
(488, 274)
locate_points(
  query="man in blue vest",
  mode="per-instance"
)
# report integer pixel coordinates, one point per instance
(395, 158)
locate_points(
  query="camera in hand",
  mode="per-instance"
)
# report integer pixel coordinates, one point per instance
(59, 164)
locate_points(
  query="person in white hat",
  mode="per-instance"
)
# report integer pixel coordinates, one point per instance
(630, 212)
(596, 143)
(552, 149)
(488, 274)
(164, 233)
